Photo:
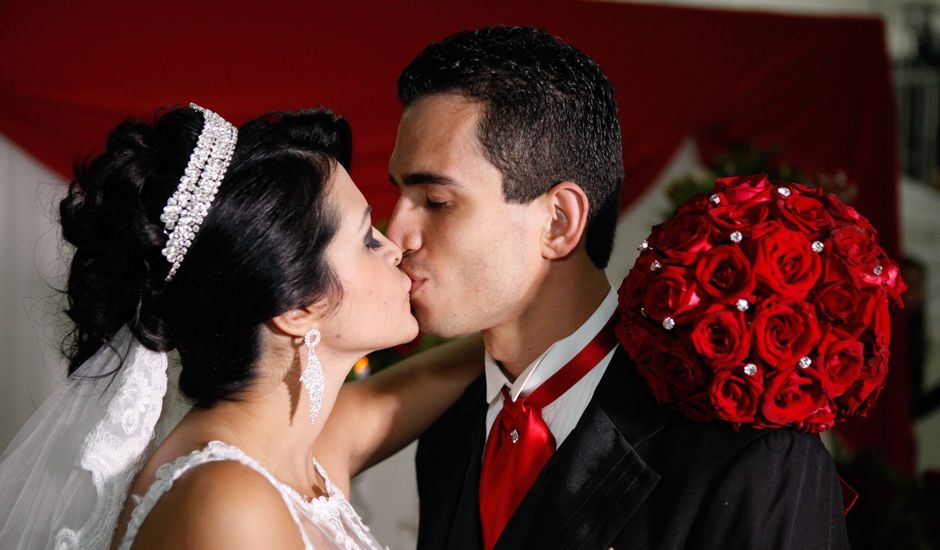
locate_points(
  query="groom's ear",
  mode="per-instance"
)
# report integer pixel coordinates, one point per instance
(567, 212)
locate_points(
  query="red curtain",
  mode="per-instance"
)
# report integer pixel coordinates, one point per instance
(817, 89)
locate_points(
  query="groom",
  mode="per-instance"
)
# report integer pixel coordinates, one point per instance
(508, 161)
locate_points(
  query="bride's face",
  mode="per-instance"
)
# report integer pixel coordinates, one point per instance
(374, 311)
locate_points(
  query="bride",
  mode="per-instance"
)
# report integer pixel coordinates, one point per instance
(250, 252)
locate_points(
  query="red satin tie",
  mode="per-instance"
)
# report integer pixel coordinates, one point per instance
(520, 443)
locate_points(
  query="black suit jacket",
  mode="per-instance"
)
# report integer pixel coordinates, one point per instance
(634, 476)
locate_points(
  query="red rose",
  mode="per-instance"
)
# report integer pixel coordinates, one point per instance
(679, 370)
(834, 267)
(804, 214)
(860, 397)
(785, 263)
(784, 331)
(850, 402)
(722, 339)
(820, 421)
(681, 367)
(891, 279)
(725, 274)
(845, 307)
(792, 396)
(842, 212)
(643, 347)
(697, 407)
(841, 362)
(855, 245)
(669, 366)
(881, 325)
(634, 286)
(876, 368)
(682, 238)
(696, 204)
(731, 217)
(671, 293)
(740, 189)
(735, 396)
(636, 336)
(759, 231)
(806, 190)
(885, 273)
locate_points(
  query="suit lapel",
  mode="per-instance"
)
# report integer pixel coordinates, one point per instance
(449, 458)
(596, 481)
(465, 531)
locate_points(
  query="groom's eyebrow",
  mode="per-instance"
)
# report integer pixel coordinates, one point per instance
(424, 178)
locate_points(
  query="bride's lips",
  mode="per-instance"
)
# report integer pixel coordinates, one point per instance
(417, 281)
(416, 284)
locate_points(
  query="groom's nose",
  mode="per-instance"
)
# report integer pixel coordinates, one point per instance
(403, 227)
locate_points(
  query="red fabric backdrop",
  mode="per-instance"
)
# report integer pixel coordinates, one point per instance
(817, 88)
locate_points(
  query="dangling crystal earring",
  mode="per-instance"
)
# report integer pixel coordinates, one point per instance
(312, 376)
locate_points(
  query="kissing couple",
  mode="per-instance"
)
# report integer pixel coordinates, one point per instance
(251, 253)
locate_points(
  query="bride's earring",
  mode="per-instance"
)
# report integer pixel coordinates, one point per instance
(312, 376)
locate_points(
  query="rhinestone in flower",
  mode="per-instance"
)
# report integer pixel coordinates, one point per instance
(805, 362)
(784, 192)
(743, 305)
(818, 247)
(715, 199)
(750, 369)
(643, 246)
(643, 312)
(669, 323)
(656, 265)
(878, 270)
(736, 237)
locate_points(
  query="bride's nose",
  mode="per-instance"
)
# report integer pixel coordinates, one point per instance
(394, 251)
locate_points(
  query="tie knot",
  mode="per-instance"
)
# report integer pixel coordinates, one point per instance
(516, 413)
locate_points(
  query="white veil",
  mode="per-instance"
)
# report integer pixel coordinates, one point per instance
(65, 476)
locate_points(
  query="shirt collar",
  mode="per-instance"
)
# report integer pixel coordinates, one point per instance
(550, 362)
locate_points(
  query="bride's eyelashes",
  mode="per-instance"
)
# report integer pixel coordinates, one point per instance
(371, 241)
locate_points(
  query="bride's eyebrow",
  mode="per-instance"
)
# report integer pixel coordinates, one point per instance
(365, 217)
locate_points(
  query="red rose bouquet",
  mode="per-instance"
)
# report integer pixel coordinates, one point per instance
(764, 304)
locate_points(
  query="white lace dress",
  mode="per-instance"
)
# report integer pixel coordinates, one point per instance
(325, 522)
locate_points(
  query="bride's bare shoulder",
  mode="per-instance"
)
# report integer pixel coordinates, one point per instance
(220, 505)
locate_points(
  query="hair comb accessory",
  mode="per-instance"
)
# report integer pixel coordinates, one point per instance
(189, 205)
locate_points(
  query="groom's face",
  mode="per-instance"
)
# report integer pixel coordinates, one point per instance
(473, 258)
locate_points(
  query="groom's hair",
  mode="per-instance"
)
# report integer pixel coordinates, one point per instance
(549, 115)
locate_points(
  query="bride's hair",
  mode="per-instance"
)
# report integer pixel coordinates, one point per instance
(259, 252)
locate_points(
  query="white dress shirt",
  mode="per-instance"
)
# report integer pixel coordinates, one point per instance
(562, 414)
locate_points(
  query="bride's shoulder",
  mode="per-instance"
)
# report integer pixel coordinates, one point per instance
(222, 504)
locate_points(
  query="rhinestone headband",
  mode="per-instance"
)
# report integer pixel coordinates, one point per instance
(187, 208)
